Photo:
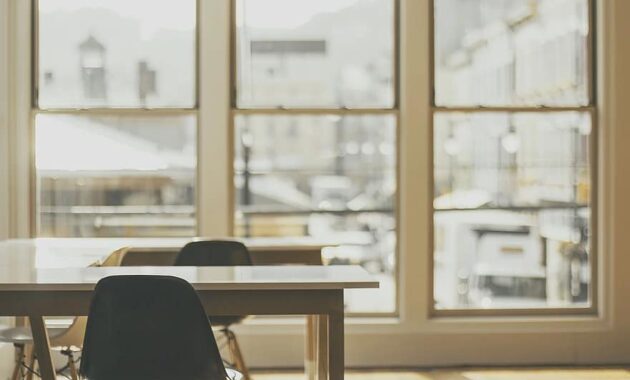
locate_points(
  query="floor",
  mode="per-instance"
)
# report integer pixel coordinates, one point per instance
(469, 374)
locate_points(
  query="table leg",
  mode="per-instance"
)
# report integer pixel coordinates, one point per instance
(336, 345)
(322, 347)
(310, 349)
(42, 347)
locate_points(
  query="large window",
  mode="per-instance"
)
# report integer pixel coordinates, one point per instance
(116, 120)
(315, 120)
(513, 155)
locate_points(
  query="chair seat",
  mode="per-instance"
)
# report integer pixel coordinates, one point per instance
(23, 335)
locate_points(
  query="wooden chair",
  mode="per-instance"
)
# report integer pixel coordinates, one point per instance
(65, 339)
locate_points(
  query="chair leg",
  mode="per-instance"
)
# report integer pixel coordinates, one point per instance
(19, 360)
(72, 365)
(237, 355)
(31, 364)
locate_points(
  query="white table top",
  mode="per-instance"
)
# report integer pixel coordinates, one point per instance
(202, 278)
(61, 264)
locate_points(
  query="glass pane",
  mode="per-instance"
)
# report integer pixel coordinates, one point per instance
(116, 53)
(511, 52)
(328, 177)
(116, 176)
(325, 53)
(512, 210)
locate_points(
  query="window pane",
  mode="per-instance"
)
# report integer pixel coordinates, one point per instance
(116, 53)
(328, 177)
(511, 52)
(325, 53)
(512, 210)
(116, 176)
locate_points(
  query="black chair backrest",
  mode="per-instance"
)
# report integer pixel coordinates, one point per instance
(149, 327)
(213, 253)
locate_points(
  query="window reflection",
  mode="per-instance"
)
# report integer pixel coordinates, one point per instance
(121, 176)
(328, 177)
(326, 53)
(523, 52)
(116, 53)
(512, 209)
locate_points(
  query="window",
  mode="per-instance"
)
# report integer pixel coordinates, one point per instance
(117, 79)
(315, 126)
(120, 54)
(513, 155)
(307, 54)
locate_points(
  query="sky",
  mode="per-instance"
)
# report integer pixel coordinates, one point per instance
(179, 14)
(155, 14)
(285, 13)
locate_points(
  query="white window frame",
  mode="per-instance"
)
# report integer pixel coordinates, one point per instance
(414, 338)
(4, 119)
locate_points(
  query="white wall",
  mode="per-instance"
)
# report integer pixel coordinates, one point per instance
(6, 350)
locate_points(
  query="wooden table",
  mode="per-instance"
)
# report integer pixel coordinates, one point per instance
(81, 252)
(35, 282)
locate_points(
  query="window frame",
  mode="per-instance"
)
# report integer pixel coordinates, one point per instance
(551, 338)
(591, 109)
(393, 111)
(140, 112)
(5, 168)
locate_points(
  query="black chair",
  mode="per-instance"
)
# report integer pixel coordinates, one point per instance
(132, 320)
(220, 253)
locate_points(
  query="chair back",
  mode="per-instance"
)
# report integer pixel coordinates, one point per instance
(73, 336)
(149, 327)
(214, 253)
(115, 258)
